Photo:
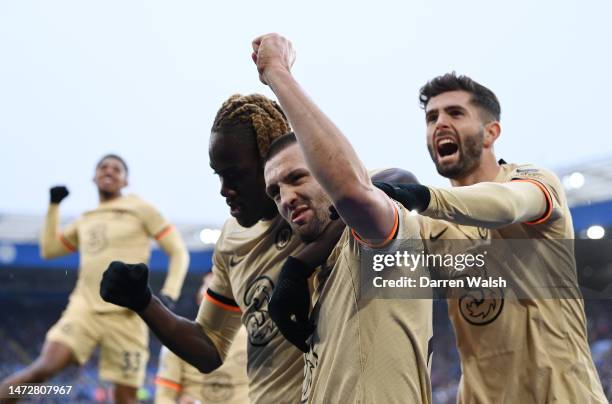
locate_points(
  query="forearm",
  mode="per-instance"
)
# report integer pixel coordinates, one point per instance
(488, 204)
(323, 144)
(177, 265)
(50, 243)
(183, 337)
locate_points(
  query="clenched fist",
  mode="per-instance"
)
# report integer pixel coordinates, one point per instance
(58, 193)
(270, 52)
(126, 285)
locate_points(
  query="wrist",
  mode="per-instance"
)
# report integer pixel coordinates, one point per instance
(143, 301)
(275, 72)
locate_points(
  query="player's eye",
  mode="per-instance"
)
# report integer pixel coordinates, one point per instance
(296, 178)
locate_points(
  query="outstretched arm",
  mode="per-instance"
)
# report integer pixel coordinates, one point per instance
(486, 204)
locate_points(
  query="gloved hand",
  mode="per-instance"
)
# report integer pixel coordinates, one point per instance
(412, 196)
(169, 302)
(291, 297)
(58, 193)
(126, 285)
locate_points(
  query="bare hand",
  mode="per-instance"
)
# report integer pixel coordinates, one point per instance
(272, 52)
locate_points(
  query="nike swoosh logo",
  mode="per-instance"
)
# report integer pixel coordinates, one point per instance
(437, 236)
(233, 261)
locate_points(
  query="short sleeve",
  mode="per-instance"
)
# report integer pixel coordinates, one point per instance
(69, 236)
(550, 185)
(154, 222)
(169, 366)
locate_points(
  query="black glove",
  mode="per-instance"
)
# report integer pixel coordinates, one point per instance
(292, 297)
(58, 193)
(126, 285)
(168, 301)
(412, 196)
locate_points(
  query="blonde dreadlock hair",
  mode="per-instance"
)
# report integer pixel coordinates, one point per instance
(255, 113)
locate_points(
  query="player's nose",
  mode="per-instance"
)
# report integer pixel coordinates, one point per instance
(227, 191)
(289, 199)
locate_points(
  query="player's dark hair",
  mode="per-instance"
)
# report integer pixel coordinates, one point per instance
(482, 97)
(113, 156)
(255, 114)
(279, 144)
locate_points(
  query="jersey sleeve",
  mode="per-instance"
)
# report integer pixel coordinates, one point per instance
(488, 204)
(219, 317)
(550, 186)
(53, 242)
(384, 242)
(168, 380)
(155, 224)
(169, 366)
(69, 236)
(220, 284)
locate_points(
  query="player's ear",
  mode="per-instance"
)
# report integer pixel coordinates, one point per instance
(125, 183)
(492, 131)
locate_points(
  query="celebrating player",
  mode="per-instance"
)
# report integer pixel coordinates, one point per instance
(119, 228)
(253, 244)
(361, 350)
(517, 350)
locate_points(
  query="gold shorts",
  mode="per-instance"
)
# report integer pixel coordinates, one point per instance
(122, 336)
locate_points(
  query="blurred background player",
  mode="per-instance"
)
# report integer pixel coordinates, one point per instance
(178, 381)
(119, 228)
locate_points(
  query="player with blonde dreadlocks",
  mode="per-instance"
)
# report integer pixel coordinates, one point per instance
(247, 260)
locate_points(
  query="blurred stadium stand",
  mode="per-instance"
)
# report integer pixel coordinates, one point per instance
(32, 296)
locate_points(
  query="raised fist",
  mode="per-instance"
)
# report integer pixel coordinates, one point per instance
(272, 51)
(58, 193)
(126, 285)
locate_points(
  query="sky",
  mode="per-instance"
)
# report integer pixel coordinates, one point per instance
(144, 79)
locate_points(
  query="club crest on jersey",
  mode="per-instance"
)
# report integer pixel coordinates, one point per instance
(283, 236)
(96, 240)
(218, 388)
(259, 325)
(481, 306)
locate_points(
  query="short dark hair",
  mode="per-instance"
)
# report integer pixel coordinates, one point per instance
(113, 156)
(279, 144)
(482, 97)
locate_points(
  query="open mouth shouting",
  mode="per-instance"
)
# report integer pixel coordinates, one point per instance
(447, 149)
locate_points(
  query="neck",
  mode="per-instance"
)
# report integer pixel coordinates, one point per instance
(486, 171)
(106, 196)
